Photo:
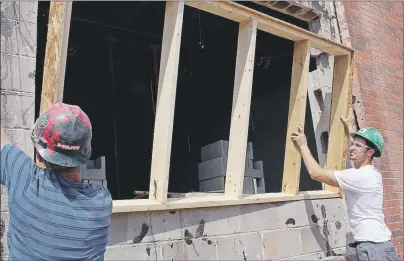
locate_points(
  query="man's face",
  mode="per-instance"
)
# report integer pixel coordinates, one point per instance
(359, 151)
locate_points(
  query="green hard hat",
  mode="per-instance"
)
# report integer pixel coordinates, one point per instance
(373, 136)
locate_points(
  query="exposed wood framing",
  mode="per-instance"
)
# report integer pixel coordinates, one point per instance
(239, 13)
(241, 108)
(55, 54)
(250, 21)
(340, 105)
(297, 113)
(136, 205)
(163, 127)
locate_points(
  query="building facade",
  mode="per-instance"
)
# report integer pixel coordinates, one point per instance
(293, 230)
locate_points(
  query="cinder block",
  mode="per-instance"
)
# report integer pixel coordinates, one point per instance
(118, 231)
(339, 254)
(134, 252)
(94, 170)
(95, 181)
(211, 221)
(20, 11)
(212, 168)
(18, 38)
(213, 184)
(326, 209)
(323, 238)
(4, 198)
(17, 111)
(27, 74)
(281, 243)
(240, 247)
(144, 227)
(5, 219)
(220, 149)
(215, 150)
(21, 138)
(10, 72)
(190, 249)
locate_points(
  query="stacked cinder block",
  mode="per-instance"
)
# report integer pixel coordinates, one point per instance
(94, 172)
(212, 169)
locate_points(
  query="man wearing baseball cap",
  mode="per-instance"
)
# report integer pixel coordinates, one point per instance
(363, 189)
(53, 216)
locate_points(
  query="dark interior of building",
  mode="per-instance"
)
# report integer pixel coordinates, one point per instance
(113, 57)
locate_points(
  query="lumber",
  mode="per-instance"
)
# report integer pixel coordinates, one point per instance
(163, 128)
(136, 205)
(340, 105)
(297, 114)
(55, 54)
(241, 108)
(239, 13)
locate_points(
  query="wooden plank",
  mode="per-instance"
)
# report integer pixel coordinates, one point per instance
(340, 105)
(297, 114)
(136, 205)
(239, 13)
(163, 128)
(241, 108)
(55, 54)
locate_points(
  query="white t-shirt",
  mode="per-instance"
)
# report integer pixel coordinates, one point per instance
(363, 189)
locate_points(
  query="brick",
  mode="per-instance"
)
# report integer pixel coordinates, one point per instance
(17, 111)
(240, 247)
(134, 252)
(195, 249)
(317, 238)
(275, 247)
(146, 227)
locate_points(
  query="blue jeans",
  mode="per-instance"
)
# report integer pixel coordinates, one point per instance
(371, 251)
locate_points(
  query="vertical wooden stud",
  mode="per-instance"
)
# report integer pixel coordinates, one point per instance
(241, 108)
(55, 54)
(163, 127)
(297, 114)
(340, 105)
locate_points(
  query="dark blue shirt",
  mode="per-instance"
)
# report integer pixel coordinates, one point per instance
(50, 217)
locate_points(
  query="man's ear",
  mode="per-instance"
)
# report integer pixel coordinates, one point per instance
(371, 152)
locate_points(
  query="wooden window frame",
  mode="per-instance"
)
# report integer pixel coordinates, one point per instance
(249, 22)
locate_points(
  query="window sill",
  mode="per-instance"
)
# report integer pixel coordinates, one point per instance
(137, 205)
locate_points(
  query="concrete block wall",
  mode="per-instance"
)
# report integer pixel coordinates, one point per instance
(297, 230)
(17, 86)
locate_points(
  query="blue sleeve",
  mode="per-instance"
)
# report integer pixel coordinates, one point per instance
(15, 166)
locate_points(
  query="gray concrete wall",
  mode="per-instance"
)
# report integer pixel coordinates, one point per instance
(17, 86)
(298, 230)
(301, 230)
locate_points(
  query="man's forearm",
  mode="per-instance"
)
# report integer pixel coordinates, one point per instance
(315, 170)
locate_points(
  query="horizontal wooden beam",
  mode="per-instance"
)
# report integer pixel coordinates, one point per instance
(239, 13)
(136, 205)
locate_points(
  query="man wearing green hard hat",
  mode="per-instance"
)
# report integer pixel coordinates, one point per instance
(363, 189)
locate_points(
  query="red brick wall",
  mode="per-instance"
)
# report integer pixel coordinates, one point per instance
(376, 33)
